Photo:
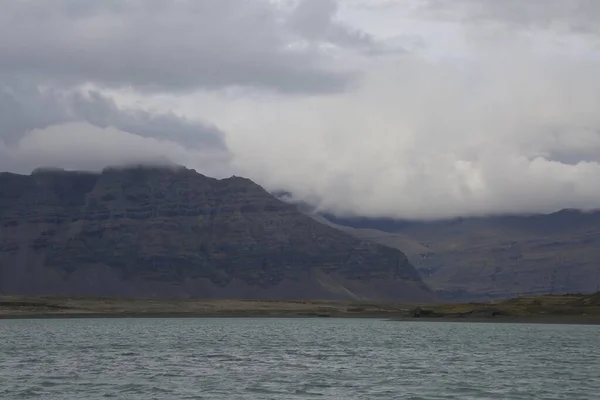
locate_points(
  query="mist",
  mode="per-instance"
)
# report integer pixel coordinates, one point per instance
(495, 113)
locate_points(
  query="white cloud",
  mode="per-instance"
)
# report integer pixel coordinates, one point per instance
(509, 130)
(496, 112)
(82, 146)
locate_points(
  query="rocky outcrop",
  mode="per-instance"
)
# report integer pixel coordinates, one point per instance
(171, 232)
(499, 257)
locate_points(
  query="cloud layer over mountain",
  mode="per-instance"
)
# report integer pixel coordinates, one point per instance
(494, 111)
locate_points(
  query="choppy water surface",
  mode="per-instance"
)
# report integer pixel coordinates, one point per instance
(295, 359)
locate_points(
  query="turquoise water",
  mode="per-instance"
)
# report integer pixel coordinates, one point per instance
(295, 358)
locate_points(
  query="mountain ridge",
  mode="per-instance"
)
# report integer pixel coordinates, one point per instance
(496, 257)
(171, 232)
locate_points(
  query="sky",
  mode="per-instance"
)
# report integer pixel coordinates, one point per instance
(413, 109)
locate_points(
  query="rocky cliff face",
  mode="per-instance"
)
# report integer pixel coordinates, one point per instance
(145, 231)
(495, 257)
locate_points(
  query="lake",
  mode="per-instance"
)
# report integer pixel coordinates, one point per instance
(295, 358)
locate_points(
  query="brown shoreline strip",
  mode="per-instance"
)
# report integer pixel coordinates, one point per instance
(570, 320)
(568, 309)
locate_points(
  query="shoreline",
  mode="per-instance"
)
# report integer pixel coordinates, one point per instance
(567, 309)
(524, 319)
(183, 315)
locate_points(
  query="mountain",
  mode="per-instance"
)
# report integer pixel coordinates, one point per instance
(496, 257)
(172, 232)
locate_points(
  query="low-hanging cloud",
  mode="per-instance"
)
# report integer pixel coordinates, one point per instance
(509, 124)
(56, 128)
(512, 128)
(82, 146)
(51, 50)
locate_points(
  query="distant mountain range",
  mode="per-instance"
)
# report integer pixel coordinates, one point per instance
(493, 257)
(172, 232)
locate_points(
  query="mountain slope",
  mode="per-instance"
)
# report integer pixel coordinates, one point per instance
(495, 257)
(145, 231)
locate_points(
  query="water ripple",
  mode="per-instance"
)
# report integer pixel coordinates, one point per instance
(295, 359)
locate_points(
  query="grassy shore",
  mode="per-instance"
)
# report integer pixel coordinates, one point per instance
(543, 309)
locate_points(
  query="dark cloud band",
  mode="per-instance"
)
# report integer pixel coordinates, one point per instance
(174, 46)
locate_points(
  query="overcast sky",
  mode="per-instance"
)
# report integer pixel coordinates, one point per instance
(397, 108)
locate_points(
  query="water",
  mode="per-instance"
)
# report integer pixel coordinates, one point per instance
(295, 359)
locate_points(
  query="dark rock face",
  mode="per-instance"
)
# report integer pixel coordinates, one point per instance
(145, 231)
(496, 257)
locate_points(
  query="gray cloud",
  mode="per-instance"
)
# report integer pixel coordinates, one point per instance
(83, 146)
(50, 49)
(30, 115)
(413, 138)
(23, 107)
(574, 16)
(173, 45)
(102, 112)
(314, 20)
